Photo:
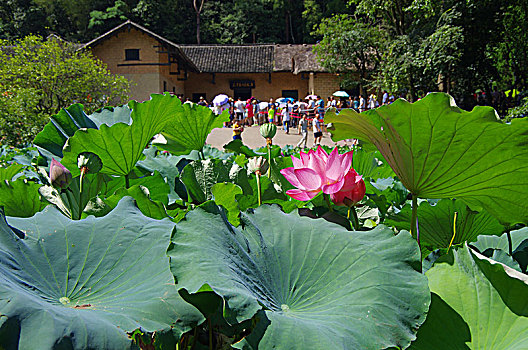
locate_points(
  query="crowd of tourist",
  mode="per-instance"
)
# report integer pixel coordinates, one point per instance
(287, 111)
(306, 115)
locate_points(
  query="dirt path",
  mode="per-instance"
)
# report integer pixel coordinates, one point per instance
(252, 138)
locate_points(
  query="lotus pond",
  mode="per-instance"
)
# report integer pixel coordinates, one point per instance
(414, 239)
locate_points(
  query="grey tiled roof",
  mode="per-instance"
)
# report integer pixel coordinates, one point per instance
(231, 58)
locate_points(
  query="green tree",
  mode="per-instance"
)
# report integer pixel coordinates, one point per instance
(511, 53)
(38, 78)
(350, 47)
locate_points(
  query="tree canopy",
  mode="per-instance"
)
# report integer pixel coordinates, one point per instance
(407, 46)
(417, 46)
(40, 77)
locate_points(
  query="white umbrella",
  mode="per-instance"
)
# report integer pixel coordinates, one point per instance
(340, 94)
(310, 96)
(263, 105)
(220, 100)
(302, 105)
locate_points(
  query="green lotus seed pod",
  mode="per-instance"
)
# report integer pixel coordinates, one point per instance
(268, 130)
(89, 162)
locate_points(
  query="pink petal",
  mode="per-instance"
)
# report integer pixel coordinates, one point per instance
(321, 153)
(351, 180)
(302, 195)
(338, 198)
(346, 160)
(305, 157)
(289, 174)
(309, 179)
(334, 167)
(317, 163)
(297, 163)
(333, 187)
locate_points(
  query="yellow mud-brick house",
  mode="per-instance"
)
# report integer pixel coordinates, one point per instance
(154, 64)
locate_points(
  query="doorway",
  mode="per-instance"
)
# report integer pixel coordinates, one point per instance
(243, 92)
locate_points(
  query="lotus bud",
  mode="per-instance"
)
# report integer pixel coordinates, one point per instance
(258, 165)
(60, 176)
(89, 162)
(268, 131)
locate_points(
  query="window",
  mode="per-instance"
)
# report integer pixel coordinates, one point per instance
(291, 93)
(131, 54)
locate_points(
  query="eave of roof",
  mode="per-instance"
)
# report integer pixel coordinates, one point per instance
(235, 58)
(129, 24)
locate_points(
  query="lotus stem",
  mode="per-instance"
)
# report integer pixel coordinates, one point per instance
(327, 199)
(510, 245)
(355, 222)
(202, 155)
(268, 144)
(454, 231)
(414, 217)
(258, 189)
(127, 181)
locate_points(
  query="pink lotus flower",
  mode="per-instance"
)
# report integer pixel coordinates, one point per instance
(352, 191)
(317, 171)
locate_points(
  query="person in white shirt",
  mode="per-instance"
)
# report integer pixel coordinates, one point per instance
(303, 129)
(372, 101)
(385, 98)
(286, 117)
(362, 104)
(240, 107)
(318, 133)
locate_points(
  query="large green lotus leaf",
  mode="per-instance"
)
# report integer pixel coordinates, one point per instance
(6, 174)
(436, 223)
(494, 242)
(385, 194)
(111, 115)
(476, 305)
(200, 176)
(238, 147)
(321, 286)
(269, 195)
(165, 164)
(20, 198)
(121, 145)
(158, 188)
(224, 194)
(148, 206)
(189, 128)
(440, 151)
(371, 165)
(62, 126)
(72, 201)
(84, 284)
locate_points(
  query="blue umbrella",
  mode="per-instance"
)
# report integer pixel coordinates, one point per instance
(284, 99)
(341, 94)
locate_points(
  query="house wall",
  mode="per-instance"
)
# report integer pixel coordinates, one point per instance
(151, 74)
(325, 84)
(264, 90)
(146, 75)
